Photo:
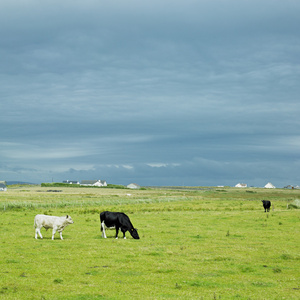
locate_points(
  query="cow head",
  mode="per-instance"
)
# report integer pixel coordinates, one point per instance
(134, 233)
(69, 219)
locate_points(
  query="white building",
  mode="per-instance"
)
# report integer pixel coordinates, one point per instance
(133, 186)
(93, 182)
(269, 185)
(3, 187)
(71, 181)
(241, 185)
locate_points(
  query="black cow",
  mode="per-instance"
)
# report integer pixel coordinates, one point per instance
(117, 220)
(266, 204)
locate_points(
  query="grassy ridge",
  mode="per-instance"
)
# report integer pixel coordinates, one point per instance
(209, 244)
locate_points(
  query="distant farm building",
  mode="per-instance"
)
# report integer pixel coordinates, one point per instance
(241, 185)
(289, 187)
(93, 183)
(269, 185)
(133, 186)
(71, 181)
(3, 187)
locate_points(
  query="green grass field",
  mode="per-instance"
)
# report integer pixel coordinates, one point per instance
(195, 244)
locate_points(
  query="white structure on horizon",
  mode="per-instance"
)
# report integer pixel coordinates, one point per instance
(269, 185)
(133, 186)
(3, 187)
(241, 185)
(71, 181)
(93, 182)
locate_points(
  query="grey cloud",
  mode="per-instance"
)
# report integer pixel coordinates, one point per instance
(201, 90)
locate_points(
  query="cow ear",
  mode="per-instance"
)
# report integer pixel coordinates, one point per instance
(67, 216)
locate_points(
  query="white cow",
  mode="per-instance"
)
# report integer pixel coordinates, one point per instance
(56, 223)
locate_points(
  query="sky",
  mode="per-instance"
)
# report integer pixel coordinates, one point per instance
(158, 93)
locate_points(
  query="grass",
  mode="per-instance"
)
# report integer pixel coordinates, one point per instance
(206, 244)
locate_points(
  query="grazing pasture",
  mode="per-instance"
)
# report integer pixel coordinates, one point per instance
(194, 244)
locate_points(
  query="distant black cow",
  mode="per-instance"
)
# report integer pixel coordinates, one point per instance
(117, 220)
(266, 204)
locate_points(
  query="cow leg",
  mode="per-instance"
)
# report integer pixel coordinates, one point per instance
(103, 230)
(53, 233)
(38, 231)
(124, 237)
(60, 233)
(117, 232)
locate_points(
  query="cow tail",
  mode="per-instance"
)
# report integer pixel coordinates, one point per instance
(100, 223)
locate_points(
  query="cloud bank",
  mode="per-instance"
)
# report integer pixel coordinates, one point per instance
(172, 93)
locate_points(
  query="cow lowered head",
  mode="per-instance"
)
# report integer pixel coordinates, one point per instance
(134, 233)
(117, 220)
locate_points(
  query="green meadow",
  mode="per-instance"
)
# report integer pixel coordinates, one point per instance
(210, 243)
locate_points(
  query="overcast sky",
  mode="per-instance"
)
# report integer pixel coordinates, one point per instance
(173, 92)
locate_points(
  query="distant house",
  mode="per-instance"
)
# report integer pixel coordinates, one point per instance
(133, 186)
(241, 185)
(93, 183)
(71, 181)
(290, 187)
(3, 187)
(269, 185)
